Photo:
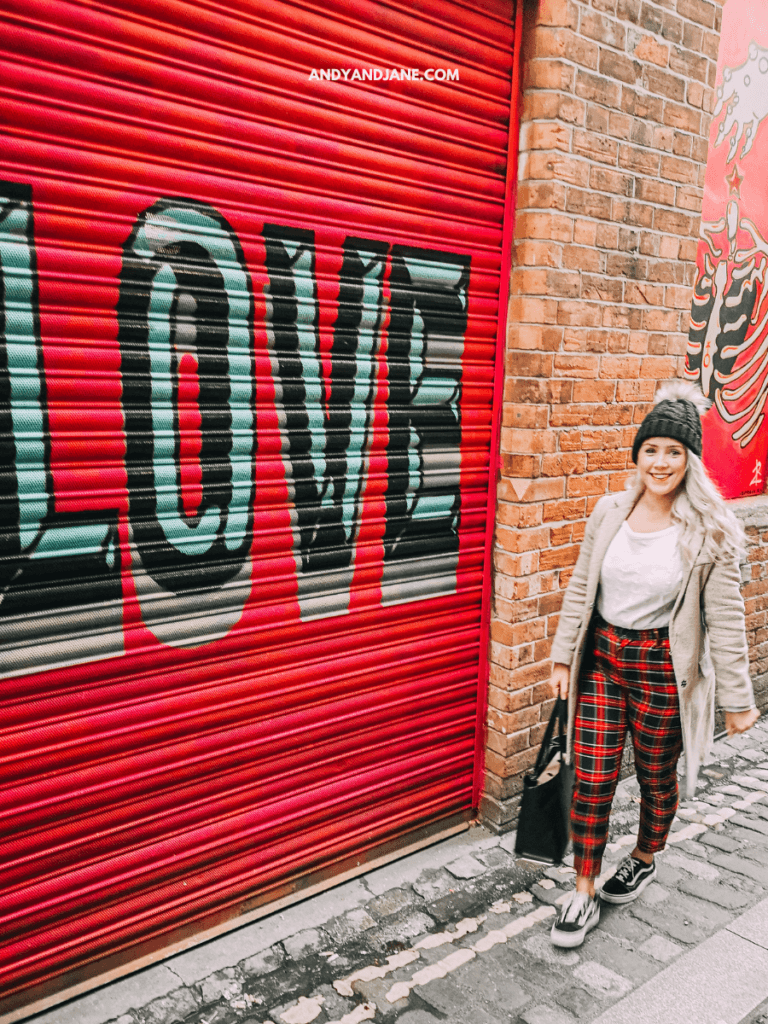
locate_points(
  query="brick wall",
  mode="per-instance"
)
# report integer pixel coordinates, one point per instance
(615, 121)
(753, 513)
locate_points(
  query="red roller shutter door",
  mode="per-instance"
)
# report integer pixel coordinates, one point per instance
(249, 312)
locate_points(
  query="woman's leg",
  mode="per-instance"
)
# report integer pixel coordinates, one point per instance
(653, 713)
(600, 730)
(598, 741)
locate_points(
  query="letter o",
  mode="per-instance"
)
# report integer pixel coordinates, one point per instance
(183, 256)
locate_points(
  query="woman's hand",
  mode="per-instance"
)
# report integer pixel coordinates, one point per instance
(559, 678)
(740, 721)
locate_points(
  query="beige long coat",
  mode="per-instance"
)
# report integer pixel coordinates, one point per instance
(707, 637)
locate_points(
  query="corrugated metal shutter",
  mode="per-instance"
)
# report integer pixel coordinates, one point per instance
(248, 331)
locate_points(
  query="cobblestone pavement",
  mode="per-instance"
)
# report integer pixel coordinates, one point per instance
(459, 933)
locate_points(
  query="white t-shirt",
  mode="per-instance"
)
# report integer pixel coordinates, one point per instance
(640, 578)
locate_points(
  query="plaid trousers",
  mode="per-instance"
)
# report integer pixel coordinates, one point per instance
(626, 682)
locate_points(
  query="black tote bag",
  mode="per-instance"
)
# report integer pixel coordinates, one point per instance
(543, 828)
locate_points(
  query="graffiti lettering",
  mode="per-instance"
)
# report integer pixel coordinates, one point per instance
(185, 330)
(426, 345)
(59, 573)
(326, 433)
(186, 324)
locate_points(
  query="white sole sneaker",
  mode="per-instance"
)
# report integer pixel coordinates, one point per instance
(569, 940)
(628, 897)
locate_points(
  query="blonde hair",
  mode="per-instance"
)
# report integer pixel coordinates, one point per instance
(707, 524)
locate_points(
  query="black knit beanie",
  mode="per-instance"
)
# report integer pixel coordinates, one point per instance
(676, 418)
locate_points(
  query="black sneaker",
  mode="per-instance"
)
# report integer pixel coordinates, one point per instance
(577, 916)
(632, 876)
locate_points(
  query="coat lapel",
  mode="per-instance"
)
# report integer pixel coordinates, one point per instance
(687, 571)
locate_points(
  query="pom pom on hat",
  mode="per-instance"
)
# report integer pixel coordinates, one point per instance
(676, 413)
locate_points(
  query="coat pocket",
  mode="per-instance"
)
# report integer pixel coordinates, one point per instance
(706, 668)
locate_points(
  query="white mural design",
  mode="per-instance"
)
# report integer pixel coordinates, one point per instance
(729, 320)
(744, 94)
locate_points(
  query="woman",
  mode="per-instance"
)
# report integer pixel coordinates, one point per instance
(651, 621)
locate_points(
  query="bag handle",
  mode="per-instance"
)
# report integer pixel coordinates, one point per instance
(558, 715)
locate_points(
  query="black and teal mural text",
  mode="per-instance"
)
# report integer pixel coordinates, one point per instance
(280, 427)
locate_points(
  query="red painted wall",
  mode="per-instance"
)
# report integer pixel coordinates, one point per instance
(728, 342)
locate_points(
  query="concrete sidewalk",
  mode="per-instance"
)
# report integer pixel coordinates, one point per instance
(459, 933)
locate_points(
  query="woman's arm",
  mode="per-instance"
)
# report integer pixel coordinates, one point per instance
(723, 608)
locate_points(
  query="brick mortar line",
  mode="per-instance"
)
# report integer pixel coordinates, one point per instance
(570, 125)
(605, 47)
(643, 175)
(614, 195)
(600, 220)
(606, 135)
(641, 90)
(637, 86)
(589, 188)
(580, 8)
(592, 303)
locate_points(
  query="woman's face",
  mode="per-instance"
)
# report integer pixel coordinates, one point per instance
(661, 463)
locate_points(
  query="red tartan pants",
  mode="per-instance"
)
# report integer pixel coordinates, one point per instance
(626, 682)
